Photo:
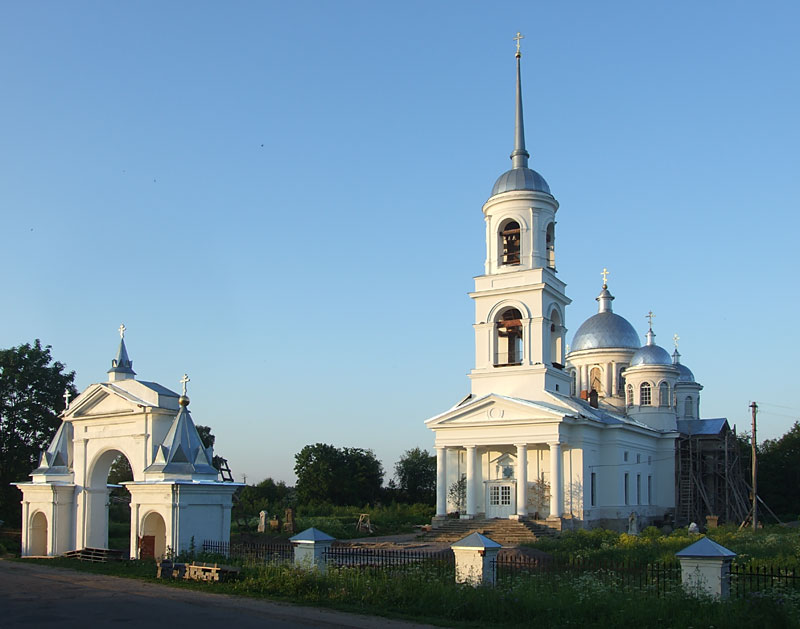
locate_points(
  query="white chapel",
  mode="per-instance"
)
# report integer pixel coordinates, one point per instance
(579, 439)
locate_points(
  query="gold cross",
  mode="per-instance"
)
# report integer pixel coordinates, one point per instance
(650, 316)
(183, 381)
(675, 339)
(519, 37)
(605, 275)
(122, 329)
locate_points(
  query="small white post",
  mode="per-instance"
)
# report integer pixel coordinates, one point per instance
(476, 559)
(706, 569)
(310, 548)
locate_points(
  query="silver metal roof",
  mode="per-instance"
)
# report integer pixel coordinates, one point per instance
(605, 329)
(651, 355)
(520, 179)
(702, 426)
(685, 374)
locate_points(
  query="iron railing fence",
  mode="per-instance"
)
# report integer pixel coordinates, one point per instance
(430, 563)
(251, 553)
(746, 580)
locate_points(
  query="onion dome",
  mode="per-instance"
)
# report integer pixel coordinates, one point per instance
(520, 177)
(684, 373)
(605, 329)
(651, 354)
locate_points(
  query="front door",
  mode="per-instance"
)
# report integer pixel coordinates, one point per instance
(500, 499)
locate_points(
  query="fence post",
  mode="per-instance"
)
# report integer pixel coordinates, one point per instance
(706, 568)
(310, 548)
(476, 560)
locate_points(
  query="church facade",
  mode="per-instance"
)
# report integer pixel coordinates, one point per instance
(574, 438)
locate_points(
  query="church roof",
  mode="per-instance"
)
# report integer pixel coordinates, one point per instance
(605, 329)
(650, 353)
(702, 426)
(122, 364)
(56, 459)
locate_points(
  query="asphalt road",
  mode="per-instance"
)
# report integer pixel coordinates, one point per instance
(34, 596)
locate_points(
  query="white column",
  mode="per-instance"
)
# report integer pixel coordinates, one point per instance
(471, 498)
(441, 481)
(610, 387)
(612, 368)
(555, 479)
(522, 480)
(585, 384)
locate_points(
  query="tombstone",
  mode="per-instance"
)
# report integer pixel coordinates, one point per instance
(288, 522)
(694, 529)
(633, 524)
(262, 521)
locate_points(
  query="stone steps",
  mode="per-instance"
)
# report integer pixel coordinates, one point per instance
(505, 532)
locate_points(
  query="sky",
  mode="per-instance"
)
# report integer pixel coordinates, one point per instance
(283, 200)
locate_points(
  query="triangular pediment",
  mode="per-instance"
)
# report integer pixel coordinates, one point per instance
(493, 410)
(101, 401)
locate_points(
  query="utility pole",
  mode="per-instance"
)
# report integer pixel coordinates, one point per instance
(754, 409)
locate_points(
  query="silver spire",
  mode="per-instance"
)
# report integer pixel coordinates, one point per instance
(519, 156)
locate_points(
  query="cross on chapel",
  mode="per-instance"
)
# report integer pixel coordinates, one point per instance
(518, 38)
(605, 275)
(66, 399)
(650, 316)
(122, 329)
(675, 339)
(183, 381)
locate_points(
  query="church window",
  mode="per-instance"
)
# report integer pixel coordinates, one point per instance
(621, 380)
(556, 340)
(663, 394)
(625, 480)
(638, 458)
(688, 407)
(629, 394)
(510, 236)
(638, 489)
(594, 489)
(644, 394)
(596, 380)
(509, 338)
(625, 456)
(649, 490)
(573, 383)
(505, 495)
(550, 245)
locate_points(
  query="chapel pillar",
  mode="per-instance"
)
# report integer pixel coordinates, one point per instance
(610, 388)
(612, 369)
(555, 479)
(441, 481)
(522, 480)
(585, 384)
(471, 497)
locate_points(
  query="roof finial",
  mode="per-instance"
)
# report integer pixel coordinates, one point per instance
(66, 399)
(605, 275)
(184, 381)
(122, 329)
(183, 400)
(650, 334)
(519, 156)
(121, 366)
(675, 339)
(650, 316)
(518, 38)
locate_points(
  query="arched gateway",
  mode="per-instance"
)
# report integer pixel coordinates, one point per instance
(176, 497)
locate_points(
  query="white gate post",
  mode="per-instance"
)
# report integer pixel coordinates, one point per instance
(706, 568)
(476, 557)
(310, 548)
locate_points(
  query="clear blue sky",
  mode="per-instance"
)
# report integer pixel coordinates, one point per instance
(284, 199)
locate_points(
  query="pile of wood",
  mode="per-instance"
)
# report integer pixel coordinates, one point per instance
(194, 571)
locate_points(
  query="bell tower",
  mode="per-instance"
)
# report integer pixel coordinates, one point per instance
(520, 303)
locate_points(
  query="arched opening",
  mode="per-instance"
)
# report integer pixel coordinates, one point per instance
(153, 541)
(596, 380)
(556, 340)
(108, 522)
(37, 535)
(621, 380)
(629, 395)
(573, 383)
(510, 242)
(644, 394)
(688, 407)
(663, 394)
(509, 338)
(550, 245)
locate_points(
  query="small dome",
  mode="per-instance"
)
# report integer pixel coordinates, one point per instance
(684, 373)
(605, 329)
(520, 179)
(651, 355)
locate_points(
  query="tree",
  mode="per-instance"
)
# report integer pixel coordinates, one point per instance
(347, 476)
(208, 439)
(416, 476)
(779, 469)
(32, 389)
(457, 494)
(266, 496)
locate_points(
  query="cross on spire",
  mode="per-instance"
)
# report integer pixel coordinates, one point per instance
(605, 275)
(650, 316)
(122, 329)
(183, 381)
(66, 399)
(519, 38)
(675, 339)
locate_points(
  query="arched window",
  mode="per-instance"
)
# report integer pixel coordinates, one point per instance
(688, 407)
(573, 383)
(550, 245)
(509, 338)
(644, 394)
(621, 380)
(596, 380)
(663, 394)
(511, 243)
(629, 395)
(556, 356)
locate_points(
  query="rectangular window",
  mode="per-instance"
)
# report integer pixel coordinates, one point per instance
(649, 490)
(627, 499)
(505, 495)
(625, 456)
(494, 496)
(638, 458)
(638, 489)
(594, 489)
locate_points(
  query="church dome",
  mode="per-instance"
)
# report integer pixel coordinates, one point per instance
(684, 373)
(651, 355)
(520, 179)
(605, 329)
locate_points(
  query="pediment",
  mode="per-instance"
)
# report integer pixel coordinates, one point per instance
(493, 410)
(100, 401)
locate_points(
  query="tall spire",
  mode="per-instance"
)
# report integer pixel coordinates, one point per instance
(519, 156)
(121, 366)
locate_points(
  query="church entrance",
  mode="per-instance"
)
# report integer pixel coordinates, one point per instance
(153, 542)
(501, 499)
(38, 535)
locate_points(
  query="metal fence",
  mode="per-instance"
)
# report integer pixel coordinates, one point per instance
(746, 580)
(251, 553)
(440, 562)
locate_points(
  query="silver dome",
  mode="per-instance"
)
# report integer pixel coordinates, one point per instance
(651, 355)
(520, 179)
(685, 374)
(605, 329)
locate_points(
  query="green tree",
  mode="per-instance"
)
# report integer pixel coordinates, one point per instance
(32, 389)
(266, 496)
(208, 439)
(779, 469)
(416, 476)
(347, 476)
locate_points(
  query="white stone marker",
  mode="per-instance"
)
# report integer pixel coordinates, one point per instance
(706, 568)
(310, 547)
(476, 555)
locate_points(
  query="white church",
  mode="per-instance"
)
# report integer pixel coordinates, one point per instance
(578, 438)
